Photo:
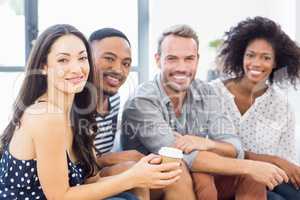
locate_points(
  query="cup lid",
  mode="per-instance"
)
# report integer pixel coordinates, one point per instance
(171, 152)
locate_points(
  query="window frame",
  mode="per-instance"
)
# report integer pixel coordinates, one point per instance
(31, 33)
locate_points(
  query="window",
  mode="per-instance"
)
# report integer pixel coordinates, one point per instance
(12, 34)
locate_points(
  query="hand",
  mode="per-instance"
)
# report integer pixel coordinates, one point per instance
(149, 175)
(113, 158)
(189, 143)
(292, 171)
(133, 155)
(266, 173)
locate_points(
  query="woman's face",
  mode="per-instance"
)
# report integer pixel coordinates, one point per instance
(259, 60)
(67, 65)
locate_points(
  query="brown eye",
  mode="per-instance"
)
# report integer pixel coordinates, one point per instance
(109, 59)
(83, 58)
(62, 60)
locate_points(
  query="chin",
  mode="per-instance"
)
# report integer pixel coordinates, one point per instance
(108, 92)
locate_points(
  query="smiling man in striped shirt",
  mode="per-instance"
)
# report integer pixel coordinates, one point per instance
(112, 59)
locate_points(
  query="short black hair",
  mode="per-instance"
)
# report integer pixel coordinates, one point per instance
(236, 40)
(107, 32)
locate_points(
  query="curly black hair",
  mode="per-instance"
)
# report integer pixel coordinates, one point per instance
(236, 40)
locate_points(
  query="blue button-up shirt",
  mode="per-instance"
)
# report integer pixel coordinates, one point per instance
(149, 120)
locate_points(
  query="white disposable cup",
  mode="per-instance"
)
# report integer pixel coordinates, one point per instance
(170, 154)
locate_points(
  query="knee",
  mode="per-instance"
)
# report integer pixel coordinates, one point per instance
(203, 181)
(204, 186)
(185, 181)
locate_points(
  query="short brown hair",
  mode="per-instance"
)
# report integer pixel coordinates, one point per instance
(181, 30)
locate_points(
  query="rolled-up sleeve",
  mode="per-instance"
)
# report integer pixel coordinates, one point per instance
(220, 126)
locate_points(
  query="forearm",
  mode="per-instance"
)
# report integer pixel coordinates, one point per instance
(210, 162)
(113, 158)
(105, 187)
(261, 157)
(223, 149)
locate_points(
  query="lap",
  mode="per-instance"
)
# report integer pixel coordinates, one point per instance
(123, 196)
(287, 191)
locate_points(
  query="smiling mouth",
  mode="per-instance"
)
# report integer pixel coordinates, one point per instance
(255, 72)
(75, 80)
(180, 77)
(112, 80)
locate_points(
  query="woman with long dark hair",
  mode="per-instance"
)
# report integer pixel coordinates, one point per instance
(47, 147)
(258, 55)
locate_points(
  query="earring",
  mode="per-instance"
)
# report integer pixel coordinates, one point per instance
(43, 72)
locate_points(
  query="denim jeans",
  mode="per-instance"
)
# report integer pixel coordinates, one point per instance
(274, 196)
(123, 196)
(284, 191)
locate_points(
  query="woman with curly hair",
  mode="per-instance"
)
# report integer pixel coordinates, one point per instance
(257, 55)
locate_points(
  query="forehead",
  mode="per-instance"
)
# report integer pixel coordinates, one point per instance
(179, 45)
(117, 45)
(260, 46)
(68, 44)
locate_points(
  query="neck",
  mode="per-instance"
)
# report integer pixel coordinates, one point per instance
(252, 88)
(102, 105)
(177, 98)
(61, 100)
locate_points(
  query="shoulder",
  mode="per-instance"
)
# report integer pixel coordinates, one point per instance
(203, 89)
(147, 91)
(279, 99)
(42, 119)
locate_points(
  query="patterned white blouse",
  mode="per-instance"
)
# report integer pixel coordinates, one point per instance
(267, 127)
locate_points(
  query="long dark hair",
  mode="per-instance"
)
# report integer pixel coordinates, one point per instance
(287, 53)
(35, 84)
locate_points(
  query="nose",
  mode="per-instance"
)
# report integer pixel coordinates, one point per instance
(257, 61)
(117, 67)
(76, 67)
(182, 66)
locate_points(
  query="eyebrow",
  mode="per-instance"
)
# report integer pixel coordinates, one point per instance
(265, 53)
(114, 55)
(110, 53)
(67, 54)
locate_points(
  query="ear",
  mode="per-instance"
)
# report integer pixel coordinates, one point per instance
(44, 69)
(157, 60)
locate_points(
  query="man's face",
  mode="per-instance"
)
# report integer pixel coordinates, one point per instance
(178, 62)
(112, 62)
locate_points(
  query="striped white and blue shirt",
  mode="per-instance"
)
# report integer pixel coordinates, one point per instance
(107, 126)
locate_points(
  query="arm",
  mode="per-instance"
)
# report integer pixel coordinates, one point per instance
(144, 128)
(265, 173)
(221, 128)
(189, 143)
(287, 152)
(56, 186)
(113, 158)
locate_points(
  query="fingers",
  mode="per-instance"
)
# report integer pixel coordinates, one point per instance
(164, 183)
(170, 174)
(278, 178)
(297, 178)
(270, 185)
(283, 175)
(150, 157)
(294, 182)
(156, 160)
(164, 167)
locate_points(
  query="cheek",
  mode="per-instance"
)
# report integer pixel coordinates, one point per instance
(86, 70)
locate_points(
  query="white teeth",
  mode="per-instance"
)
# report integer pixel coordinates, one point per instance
(255, 72)
(181, 77)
